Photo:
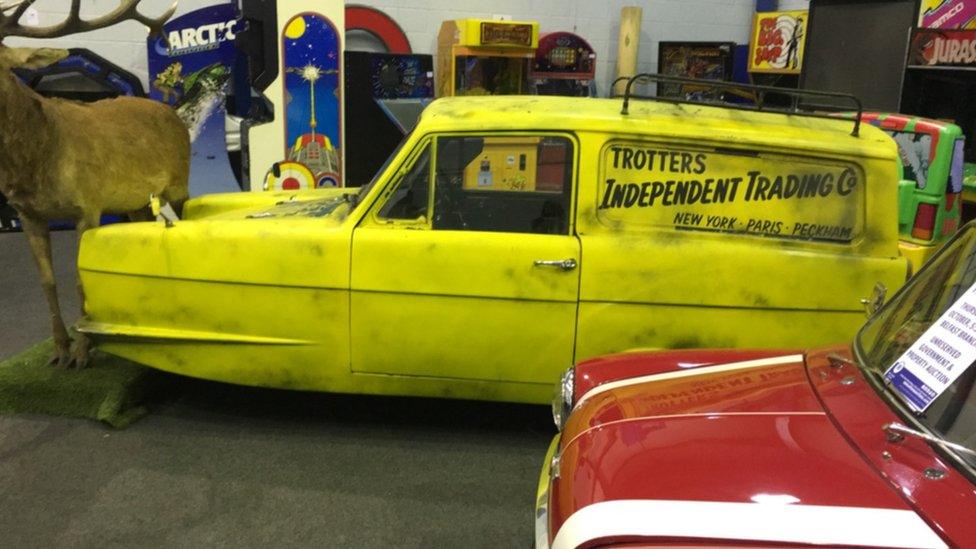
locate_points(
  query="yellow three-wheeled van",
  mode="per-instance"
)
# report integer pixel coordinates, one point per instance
(507, 238)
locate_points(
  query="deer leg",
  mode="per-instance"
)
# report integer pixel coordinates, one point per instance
(39, 237)
(82, 347)
(175, 196)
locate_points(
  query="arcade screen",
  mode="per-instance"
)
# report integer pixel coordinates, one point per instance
(489, 75)
(384, 94)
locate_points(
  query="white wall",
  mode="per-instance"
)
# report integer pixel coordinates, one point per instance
(787, 5)
(596, 21)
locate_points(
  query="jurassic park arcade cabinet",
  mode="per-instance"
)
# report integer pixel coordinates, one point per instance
(485, 57)
(940, 81)
(294, 48)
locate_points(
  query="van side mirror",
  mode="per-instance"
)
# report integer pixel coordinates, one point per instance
(877, 299)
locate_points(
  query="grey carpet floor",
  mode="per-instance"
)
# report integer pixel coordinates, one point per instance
(220, 465)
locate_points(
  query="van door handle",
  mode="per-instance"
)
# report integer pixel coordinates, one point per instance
(564, 264)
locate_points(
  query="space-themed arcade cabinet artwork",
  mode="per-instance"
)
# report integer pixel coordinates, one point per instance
(313, 96)
(485, 57)
(289, 93)
(190, 70)
(564, 64)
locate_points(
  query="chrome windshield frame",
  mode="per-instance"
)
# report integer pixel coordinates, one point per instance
(875, 376)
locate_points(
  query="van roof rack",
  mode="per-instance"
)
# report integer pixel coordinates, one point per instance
(759, 92)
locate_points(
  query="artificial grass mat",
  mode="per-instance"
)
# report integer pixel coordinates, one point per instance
(111, 390)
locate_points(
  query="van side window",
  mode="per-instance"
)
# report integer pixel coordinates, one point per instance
(409, 200)
(516, 183)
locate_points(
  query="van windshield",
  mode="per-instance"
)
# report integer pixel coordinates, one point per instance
(364, 190)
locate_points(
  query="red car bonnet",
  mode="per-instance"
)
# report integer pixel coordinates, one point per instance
(752, 432)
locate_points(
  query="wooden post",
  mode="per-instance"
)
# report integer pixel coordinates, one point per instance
(628, 44)
(444, 75)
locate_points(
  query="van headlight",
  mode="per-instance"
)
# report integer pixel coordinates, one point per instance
(562, 400)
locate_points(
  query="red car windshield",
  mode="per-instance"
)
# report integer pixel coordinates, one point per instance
(926, 327)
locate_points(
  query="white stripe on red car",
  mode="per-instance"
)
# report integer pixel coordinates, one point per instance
(769, 522)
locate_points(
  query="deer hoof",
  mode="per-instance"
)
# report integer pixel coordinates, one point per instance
(62, 354)
(80, 353)
(62, 360)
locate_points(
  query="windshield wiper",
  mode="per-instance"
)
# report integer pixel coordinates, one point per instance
(897, 431)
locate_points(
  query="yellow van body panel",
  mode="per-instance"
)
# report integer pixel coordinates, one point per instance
(917, 254)
(316, 290)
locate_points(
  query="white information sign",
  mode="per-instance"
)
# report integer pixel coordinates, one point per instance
(927, 368)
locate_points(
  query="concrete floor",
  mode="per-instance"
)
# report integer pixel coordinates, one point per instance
(220, 465)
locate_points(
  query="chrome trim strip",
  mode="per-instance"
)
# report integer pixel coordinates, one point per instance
(758, 363)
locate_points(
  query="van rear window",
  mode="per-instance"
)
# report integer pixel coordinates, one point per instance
(647, 185)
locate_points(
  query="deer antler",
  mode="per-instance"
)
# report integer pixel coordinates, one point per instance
(126, 10)
(19, 9)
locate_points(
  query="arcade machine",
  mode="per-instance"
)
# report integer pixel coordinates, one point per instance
(189, 71)
(564, 64)
(702, 60)
(384, 96)
(293, 137)
(485, 57)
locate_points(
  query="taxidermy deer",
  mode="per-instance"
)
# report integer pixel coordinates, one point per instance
(62, 160)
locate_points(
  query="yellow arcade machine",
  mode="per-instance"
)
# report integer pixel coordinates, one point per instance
(485, 57)
(301, 146)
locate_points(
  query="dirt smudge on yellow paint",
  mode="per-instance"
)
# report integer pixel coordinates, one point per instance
(686, 342)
